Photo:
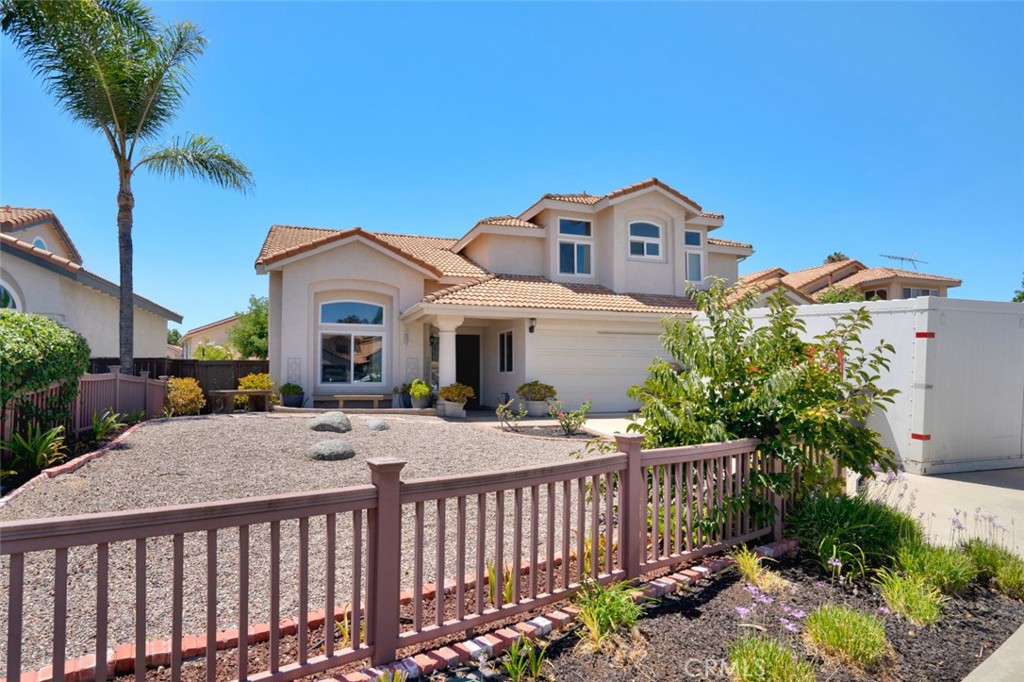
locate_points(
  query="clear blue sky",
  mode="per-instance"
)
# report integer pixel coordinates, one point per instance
(868, 128)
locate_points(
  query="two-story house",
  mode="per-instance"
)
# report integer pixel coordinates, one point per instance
(571, 292)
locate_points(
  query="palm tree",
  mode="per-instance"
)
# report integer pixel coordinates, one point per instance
(111, 66)
(836, 257)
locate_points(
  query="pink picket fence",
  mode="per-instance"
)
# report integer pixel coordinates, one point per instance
(97, 393)
(390, 564)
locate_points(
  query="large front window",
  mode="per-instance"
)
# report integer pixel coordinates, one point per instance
(351, 343)
(574, 246)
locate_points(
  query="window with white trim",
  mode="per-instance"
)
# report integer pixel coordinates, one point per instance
(39, 243)
(693, 259)
(876, 295)
(505, 352)
(575, 246)
(644, 240)
(8, 300)
(914, 292)
(352, 342)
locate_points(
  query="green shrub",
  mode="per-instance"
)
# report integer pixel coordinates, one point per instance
(105, 424)
(290, 389)
(183, 396)
(857, 532)
(456, 393)
(756, 658)
(36, 352)
(855, 638)
(255, 382)
(536, 391)
(950, 570)
(836, 294)
(997, 565)
(910, 596)
(570, 420)
(525, 660)
(605, 611)
(419, 389)
(34, 450)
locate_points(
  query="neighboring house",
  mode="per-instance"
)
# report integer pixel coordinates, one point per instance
(173, 351)
(881, 283)
(41, 272)
(763, 284)
(571, 292)
(215, 333)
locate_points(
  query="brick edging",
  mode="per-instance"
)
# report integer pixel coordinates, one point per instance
(69, 466)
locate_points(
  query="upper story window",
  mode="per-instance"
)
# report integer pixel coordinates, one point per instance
(351, 343)
(692, 238)
(39, 243)
(7, 299)
(693, 258)
(575, 246)
(914, 292)
(644, 240)
(876, 295)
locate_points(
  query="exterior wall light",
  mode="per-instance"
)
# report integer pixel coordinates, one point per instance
(533, 324)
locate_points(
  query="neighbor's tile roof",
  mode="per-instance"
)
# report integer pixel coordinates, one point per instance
(767, 273)
(715, 241)
(509, 221)
(14, 217)
(521, 291)
(432, 253)
(577, 198)
(767, 282)
(802, 278)
(881, 274)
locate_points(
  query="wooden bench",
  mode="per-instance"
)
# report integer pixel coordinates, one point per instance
(353, 396)
(223, 401)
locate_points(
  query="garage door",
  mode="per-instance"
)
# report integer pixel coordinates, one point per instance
(595, 365)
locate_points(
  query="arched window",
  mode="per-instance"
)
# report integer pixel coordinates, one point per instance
(7, 298)
(351, 343)
(39, 243)
(644, 240)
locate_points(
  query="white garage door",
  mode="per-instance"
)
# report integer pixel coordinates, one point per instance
(595, 365)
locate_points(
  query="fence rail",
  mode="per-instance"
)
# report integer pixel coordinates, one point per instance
(96, 394)
(468, 551)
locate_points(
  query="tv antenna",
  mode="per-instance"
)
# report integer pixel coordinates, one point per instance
(903, 260)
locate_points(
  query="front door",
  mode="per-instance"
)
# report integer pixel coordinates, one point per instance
(467, 365)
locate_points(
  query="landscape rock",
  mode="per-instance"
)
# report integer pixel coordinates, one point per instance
(338, 422)
(377, 425)
(332, 450)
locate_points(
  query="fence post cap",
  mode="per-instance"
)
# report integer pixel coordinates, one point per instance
(629, 437)
(386, 465)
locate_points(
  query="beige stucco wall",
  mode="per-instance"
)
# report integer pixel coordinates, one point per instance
(89, 312)
(48, 232)
(215, 334)
(895, 289)
(493, 382)
(507, 254)
(723, 265)
(352, 271)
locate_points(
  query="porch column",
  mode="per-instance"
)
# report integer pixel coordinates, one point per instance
(446, 326)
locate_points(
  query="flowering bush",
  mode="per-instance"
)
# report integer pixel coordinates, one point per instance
(535, 390)
(255, 381)
(569, 420)
(184, 396)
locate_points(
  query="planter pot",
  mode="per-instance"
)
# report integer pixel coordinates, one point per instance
(455, 410)
(406, 400)
(537, 408)
(293, 400)
(421, 403)
(441, 406)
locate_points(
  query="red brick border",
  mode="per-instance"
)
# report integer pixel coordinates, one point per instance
(158, 652)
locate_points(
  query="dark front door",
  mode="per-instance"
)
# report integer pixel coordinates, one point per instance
(467, 365)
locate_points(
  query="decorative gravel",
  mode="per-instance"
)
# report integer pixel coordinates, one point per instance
(202, 459)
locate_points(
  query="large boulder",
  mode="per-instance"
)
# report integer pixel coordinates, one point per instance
(332, 450)
(377, 425)
(338, 422)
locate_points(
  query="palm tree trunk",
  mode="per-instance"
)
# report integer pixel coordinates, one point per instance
(126, 326)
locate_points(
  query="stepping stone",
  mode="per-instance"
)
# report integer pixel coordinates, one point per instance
(338, 422)
(332, 450)
(377, 425)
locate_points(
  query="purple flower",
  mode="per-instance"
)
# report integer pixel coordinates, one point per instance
(884, 610)
(764, 599)
(798, 613)
(788, 624)
(751, 588)
(786, 608)
(956, 523)
(743, 611)
(835, 562)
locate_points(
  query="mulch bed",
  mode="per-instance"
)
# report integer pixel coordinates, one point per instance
(687, 636)
(551, 432)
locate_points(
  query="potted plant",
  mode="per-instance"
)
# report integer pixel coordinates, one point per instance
(402, 398)
(455, 397)
(536, 395)
(420, 392)
(292, 395)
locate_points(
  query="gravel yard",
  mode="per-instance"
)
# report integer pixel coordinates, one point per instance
(202, 459)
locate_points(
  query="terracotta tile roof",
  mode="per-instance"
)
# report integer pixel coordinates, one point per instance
(433, 253)
(715, 241)
(521, 291)
(578, 198)
(706, 214)
(767, 282)
(14, 217)
(767, 273)
(508, 221)
(800, 279)
(591, 199)
(881, 274)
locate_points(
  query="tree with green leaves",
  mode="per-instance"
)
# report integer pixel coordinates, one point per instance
(728, 378)
(1018, 296)
(174, 337)
(836, 257)
(113, 67)
(208, 350)
(249, 334)
(837, 294)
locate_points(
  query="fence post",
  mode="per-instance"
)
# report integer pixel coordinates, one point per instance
(779, 501)
(633, 492)
(116, 371)
(385, 538)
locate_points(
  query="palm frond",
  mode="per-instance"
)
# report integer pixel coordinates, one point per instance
(198, 156)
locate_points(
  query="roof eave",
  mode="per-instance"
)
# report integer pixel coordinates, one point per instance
(421, 309)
